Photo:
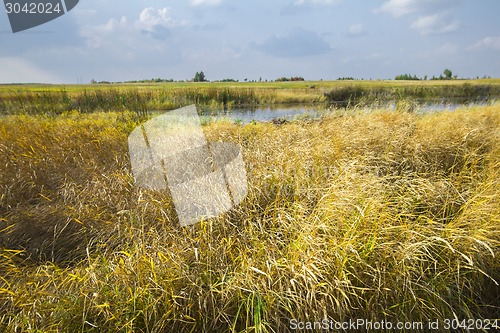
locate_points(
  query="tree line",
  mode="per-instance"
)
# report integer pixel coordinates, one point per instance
(447, 75)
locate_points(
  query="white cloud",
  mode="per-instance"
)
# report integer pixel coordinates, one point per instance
(151, 18)
(425, 23)
(434, 24)
(95, 36)
(128, 47)
(403, 7)
(432, 17)
(399, 7)
(205, 2)
(155, 22)
(487, 43)
(450, 27)
(448, 49)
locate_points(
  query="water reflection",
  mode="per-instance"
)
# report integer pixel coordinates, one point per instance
(247, 115)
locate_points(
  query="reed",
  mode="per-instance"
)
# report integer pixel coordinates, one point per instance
(362, 214)
(135, 100)
(55, 100)
(358, 95)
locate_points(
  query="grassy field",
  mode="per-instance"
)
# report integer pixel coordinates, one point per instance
(374, 214)
(139, 98)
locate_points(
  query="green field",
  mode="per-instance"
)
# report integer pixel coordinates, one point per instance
(365, 213)
(57, 99)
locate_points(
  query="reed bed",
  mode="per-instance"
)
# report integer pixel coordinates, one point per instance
(374, 214)
(359, 95)
(55, 100)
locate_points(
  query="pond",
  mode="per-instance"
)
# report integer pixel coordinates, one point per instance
(260, 114)
(247, 115)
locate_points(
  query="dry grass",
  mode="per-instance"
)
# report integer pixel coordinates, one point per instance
(363, 214)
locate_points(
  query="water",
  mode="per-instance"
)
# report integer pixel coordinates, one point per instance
(261, 114)
(445, 104)
(246, 116)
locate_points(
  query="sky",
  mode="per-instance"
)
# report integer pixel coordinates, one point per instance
(112, 40)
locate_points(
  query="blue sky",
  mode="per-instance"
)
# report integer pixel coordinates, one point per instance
(316, 39)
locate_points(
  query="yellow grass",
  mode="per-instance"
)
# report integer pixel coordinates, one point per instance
(369, 214)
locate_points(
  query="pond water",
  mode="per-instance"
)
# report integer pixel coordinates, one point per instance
(247, 115)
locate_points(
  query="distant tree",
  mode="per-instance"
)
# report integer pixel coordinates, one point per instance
(448, 74)
(199, 77)
(294, 78)
(407, 77)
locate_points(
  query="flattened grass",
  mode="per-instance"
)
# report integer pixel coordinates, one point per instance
(369, 214)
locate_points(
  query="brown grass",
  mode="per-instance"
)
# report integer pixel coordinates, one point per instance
(364, 214)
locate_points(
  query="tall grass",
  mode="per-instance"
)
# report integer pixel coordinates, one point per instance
(138, 101)
(352, 95)
(84, 101)
(110, 98)
(363, 214)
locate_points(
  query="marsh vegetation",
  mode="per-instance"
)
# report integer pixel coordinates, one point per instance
(364, 213)
(141, 98)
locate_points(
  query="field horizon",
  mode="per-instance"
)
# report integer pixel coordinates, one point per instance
(142, 98)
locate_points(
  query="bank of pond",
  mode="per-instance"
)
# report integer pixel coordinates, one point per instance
(241, 101)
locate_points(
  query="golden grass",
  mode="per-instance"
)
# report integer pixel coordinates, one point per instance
(363, 214)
